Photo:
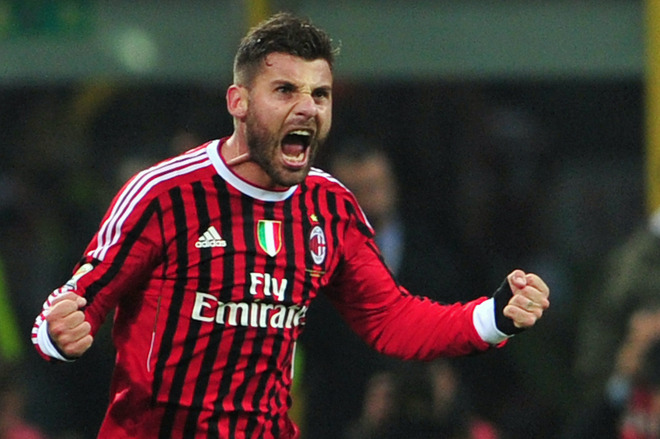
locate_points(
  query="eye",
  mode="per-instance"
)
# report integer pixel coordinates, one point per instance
(322, 93)
(285, 89)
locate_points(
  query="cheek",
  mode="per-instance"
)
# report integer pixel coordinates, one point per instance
(325, 118)
(268, 111)
(264, 122)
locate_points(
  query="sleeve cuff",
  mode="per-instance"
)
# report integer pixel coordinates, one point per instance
(46, 344)
(483, 318)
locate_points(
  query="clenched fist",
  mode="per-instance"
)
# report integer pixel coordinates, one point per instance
(529, 300)
(67, 326)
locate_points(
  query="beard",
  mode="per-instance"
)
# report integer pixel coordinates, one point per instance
(265, 150)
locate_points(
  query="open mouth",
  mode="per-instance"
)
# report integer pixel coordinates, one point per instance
(295, 146)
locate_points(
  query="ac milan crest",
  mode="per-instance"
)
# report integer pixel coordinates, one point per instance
(317, 245)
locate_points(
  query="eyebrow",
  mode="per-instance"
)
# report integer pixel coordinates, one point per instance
(279, 82)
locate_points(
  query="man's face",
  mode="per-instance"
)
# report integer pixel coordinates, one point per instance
(372, 182)
(289, 115)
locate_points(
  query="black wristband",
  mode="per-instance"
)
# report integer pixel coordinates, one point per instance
(502, 296)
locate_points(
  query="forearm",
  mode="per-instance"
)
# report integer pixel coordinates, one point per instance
(417, 328)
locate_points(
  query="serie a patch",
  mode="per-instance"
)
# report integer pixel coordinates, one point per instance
(80, 272)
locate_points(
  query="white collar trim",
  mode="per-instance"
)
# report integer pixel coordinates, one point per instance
(213, 150)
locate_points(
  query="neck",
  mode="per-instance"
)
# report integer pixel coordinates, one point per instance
(237, 157)
(241, 158)
(234, 152)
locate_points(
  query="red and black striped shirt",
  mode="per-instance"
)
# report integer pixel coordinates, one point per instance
(210, 279)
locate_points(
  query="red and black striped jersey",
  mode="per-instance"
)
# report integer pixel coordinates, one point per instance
(210, 279)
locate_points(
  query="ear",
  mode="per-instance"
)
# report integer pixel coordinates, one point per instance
(237, 101)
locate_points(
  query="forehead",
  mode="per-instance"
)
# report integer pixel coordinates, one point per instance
(284, 67)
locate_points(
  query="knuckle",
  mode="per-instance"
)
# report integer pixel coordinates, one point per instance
(56, 329)
(65, 341)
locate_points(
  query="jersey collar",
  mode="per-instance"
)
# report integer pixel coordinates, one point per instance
(213, 151)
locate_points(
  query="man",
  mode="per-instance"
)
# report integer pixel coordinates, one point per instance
(211, 260)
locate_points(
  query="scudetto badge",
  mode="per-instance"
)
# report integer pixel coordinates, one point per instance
(317, 245)
(269, 236)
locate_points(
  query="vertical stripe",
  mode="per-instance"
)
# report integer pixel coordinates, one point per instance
(165, 266)
(204, 222)
(172, 324)
(249, 220)
(306, 229)
(256, 352)
(361, 226)
(204, 281)
(228, 228)
(331, 203)
(161, 227)
(243, 211)
(261, 334)
(294, 217)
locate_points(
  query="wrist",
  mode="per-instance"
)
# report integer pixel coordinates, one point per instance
(502, 297)
(483, 319)
(47, 346)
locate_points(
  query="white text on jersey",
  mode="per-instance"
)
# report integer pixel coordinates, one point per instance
(208, 308)
(268, 285)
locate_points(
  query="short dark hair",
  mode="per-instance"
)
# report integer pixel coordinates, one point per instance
(282, 33)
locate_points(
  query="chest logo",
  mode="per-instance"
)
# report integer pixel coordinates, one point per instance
(210, 238)
(269, 236)
(317, 245)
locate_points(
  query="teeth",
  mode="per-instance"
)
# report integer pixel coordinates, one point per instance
(301, 133)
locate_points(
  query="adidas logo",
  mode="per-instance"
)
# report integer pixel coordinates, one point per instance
(210, 238)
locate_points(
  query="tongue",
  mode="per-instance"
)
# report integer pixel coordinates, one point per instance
(293, 149)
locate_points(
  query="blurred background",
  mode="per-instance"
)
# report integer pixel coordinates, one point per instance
(520, 135)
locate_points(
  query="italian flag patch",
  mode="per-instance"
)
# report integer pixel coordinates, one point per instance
(269, 235)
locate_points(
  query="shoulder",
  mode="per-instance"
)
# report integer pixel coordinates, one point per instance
(175, 171)
(319, 180)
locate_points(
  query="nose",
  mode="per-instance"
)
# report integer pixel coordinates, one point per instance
(306, 106)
